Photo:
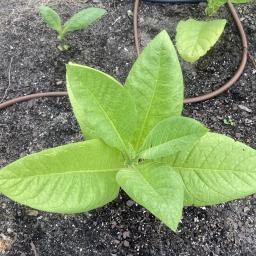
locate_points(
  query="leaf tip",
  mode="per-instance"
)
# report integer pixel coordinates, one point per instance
(164, 35)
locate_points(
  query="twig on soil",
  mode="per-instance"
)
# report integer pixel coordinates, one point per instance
(33, 248)
(160, 239)
(252, 59)
(9, 80)
(116, 20)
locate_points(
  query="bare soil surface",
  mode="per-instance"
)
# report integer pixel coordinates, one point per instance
(31, 63)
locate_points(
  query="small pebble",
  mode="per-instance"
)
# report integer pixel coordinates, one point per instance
(5, 243)
(126, 243)
(130, 13)
(126, 234)
(59, 82)
(130, 203)
(33, 213)
(116, 241)
(245, 108)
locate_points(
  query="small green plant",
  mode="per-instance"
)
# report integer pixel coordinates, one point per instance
(214, 5)
(81, 20)
(138, 141)
(229, 121)
(195, 38)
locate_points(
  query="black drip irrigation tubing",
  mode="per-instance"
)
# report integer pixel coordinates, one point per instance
(200, 98)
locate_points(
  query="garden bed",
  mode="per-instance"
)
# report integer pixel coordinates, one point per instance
(30, 62)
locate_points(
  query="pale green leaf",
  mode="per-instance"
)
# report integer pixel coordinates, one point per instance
(83, 19)
(155, 81)
(170, 136)
(103, 108)
(195, 38)
(157, 188)
(216, 169)
(68, 179)
(52, 18)
(214, 5)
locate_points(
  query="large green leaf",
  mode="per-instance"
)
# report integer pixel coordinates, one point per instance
(52, 18)
(215, 170)
(170, 136)
(103, 108)
(83, 19)
(155, 81)
(195, 38)
(157, 188)
(214, 5)
(68, 179)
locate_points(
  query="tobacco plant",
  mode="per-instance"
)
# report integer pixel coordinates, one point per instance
(195, 38)
(137, 140)
(80, 20)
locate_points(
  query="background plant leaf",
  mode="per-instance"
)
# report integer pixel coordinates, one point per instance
(215, 170)
(170, 136)
(51, 17)
(68, 179)
(83, 19)
(214, 5)
(103, 108)
(155, 82)
(195, 38)
(157, 188)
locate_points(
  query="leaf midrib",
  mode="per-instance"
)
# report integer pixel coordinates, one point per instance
(153, 189)
(198, 38)
(209, 169)
(169, 142)
(108, 119)
(151, 101)
(94, 171)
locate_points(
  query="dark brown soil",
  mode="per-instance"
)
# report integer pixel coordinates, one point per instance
(30, 59)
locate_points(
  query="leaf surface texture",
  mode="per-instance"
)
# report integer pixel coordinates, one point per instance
(156, 84)
(195, 38)
(215, 170)
(157, 188)
(68, 179)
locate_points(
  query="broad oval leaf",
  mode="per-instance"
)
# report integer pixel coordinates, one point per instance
(52, 18)
(215, 170)
(214, 5)
(69, 179)
(170, 136)
(103, 108)
(195, 38)
(83, 19)
(156, 83)
(157, 188)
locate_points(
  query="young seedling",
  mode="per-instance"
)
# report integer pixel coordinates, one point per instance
(229, 121)
(81, 20)
(195, 38)
(138, 141)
